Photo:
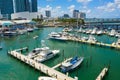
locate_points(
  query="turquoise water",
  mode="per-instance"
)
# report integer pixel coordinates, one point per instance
(95, 57)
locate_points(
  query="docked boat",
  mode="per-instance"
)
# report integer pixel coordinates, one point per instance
(67, 29)
(71, 64)
(94, 31)
(112, 33)
(84, 38)
(91, 39)
(9, 33)
(30, 29)
(116, 43)
(46, 78)
(36, 51)
(100, 32)
(57, 36)
(45, 55)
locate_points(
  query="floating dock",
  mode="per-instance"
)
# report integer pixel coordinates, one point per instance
(72, 38)
(102, 74)
(41, 67)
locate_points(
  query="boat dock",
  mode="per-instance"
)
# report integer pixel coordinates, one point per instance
(58, 65)
(72, 38)
(102, 74)
(41, 67)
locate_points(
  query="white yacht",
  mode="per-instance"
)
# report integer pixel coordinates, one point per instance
(84, 38)
(57, 36)
(46, 78)
(67, 29)
(45, 55)
(71, 64)
(116, 43)
(112, 33)
(99, 32)
(94, 31)
(36, 51)
(91, 39)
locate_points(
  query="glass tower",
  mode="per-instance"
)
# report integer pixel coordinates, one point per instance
(33, 5)
(6, 8)
(21, 5)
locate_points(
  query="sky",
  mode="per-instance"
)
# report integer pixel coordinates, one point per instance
(92, 8)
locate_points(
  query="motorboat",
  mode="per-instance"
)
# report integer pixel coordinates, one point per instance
(99, 32)
(91, 39)
(46, 78)
(116, 43)
(84, 38)
(36, 51)
(94, 31)
(71, 64)
(67, 30)
(58, 36)
(9, 33)
(112, 33)
(30, 29)
(88, 31)
(45, 55)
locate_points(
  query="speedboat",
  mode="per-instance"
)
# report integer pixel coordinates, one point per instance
(36, 51)
(71, 64)
(46, 78)
(91, 39)
(45, 55)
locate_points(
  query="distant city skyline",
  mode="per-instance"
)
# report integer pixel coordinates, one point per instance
(92, 8)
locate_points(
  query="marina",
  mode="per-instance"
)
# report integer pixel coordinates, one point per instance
(39, 66)
(90, 67)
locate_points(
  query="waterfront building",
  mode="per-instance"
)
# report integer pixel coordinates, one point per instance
(103, 22)
(33, 6)
(82, 15)
(66, 16)
(6, 8)
(75, 13)
(48, 13)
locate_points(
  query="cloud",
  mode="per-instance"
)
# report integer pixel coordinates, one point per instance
(71, 8)
(84, 1)
(110, 7)
(49, 0)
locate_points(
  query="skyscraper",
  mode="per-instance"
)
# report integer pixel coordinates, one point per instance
(48, 13)
(33, 6)
(75, 13)
(82, 15)
(6, 8)
(21, 5)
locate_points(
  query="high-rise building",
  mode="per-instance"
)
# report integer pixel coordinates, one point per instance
(21, 5)
(75, 13)
(48, 13)
(6, 8)
(82, 15)
(33, 6)
(25, 5)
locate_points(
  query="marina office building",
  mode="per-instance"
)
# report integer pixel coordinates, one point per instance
(103, 22)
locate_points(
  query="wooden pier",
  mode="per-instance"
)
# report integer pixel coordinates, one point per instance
(41, 67)
(102, 74)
